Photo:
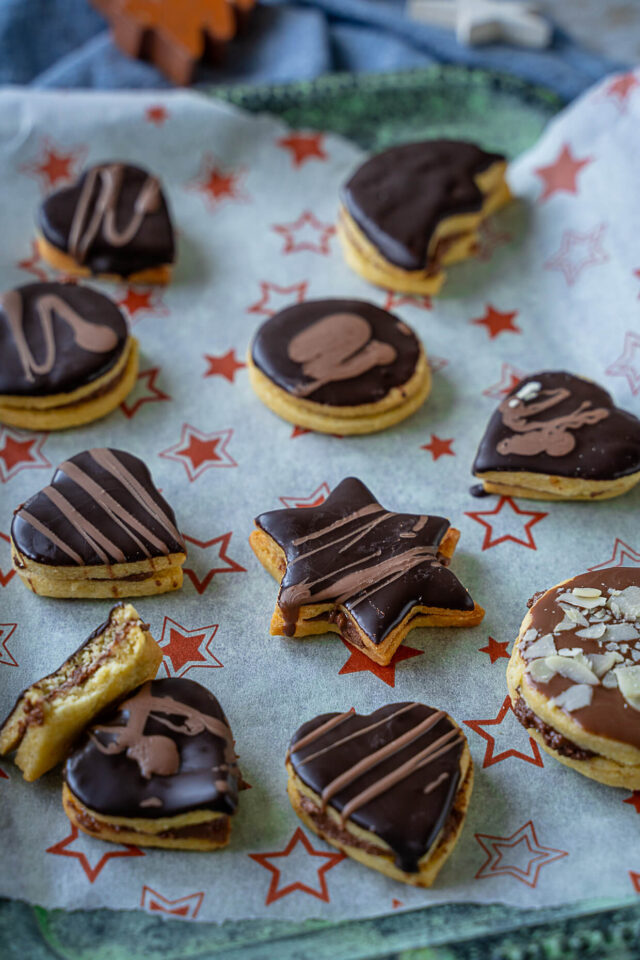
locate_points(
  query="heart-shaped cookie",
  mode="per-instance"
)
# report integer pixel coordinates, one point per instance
(557, 436)
(390, 788)
(100, 529)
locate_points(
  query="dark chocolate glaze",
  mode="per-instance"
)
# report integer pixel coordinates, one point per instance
(151, 246)
(110, 512)
(114, 785)
(270, 354)
(404, 815)
(399, 197)
(608, 714)
(370, 545)
(73, 366)
(604, 450)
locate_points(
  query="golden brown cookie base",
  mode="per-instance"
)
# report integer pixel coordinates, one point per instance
(367, 847)
(160, 275)
(541, 486)
(89, 403)
(199, 830)
(51, 713)
(399, 404)
(314, 619)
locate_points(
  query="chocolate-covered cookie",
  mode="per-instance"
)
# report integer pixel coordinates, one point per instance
(113, 222)
(557, 436)
(574, 674)
(159, 769)
(352, 567)
(66, 356)
(100, 529)
(413, 209)
(339, 366)
(390, 789)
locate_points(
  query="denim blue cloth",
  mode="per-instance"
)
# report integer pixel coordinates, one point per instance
(65, 43)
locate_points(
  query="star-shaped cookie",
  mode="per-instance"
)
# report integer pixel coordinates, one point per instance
(352, 567)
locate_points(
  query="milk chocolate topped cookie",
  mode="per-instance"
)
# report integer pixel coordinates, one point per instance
(557, 436)
(574, 674)
(159, 768)
(390, 788)
(114, 221)
(352, 567)
(339, 366)
(101, 528)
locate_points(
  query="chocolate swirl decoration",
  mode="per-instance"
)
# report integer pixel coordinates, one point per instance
(336, 352)
(113, 220)
(350, 551)
(56, 337)
(166, 749)
(100, 508)
(394, 772)
(557, 423)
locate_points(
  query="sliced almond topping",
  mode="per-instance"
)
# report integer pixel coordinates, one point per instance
(587, 603)
(538, 670)
(609, 680)
(601, 663)
(574, 668)
(629, 603)
(575, 698)
(594, 632)
(543, 647)
(586, 592)
(629, 683)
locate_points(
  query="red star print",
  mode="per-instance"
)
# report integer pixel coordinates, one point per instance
(636, 273)
(622, 556)
(144, 391)
(198, 451)
(562, 174)
(510, 377)
(490, 757)
(225, 365)
(496, 650)
(268, 304)
(218, 185)
(509, 514)
(54, 166)
(634, 800)
(187, 907)
(497, 322)
(577, 251)
(299, 432)
(439, 448)
(3, 775)
(137, 299)
(223, 545)
(626, 364)
(359, 662)
(20, 452)
(63, 849)
(303, 147)
(489, 239)
(300, 845)
(184, 649)
(635, 880)
(312, 500)
(401, 300)
(620, 89)
(306, 233)
(30, 264)
(5, 577)
(520, 856)
(156, 114)
(7, 630)
(397, 903)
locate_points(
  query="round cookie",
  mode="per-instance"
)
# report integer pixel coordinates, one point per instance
(339, 366)
(390, 789)
(159, 770)
(413, 209)
(574, 674)
(67, 356)
(113, 222)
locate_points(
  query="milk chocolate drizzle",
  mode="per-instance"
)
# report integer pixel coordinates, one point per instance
(532, 436)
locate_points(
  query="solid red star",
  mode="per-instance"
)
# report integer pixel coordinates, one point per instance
(6, 577)
(497, 322)
(402, 300)
(231, 565)
(268, 304)
(144, 391)
(54, 166)
(510, 517)
(18, 453)
(299, 432)
(156, 114)
(225, 365)
(520, 856)
(30, 264)
(219, 185)
(439, 448)
(397, 903)
(359, 662)
(297, 844)
(187, 907)
(303, 147)
(562, 174)
(634, 800)
(63, 849)
(626, 364)
(622, 556)
(184, 649)
(136, 299)
(510, 377)
(314, 499)
(620, 88)
(577, 251)
(496, 649)
(198, 451)
(306, 233)
(490, 757)
(3, 775)
(635, 880)
(7, 630)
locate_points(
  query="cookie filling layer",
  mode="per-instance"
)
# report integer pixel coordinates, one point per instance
(556, 741)
(216, 830)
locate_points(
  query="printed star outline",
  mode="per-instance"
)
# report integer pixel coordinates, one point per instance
(224, 365)
(438, 447)
(275, 892)
(562, 174)
(359, 662)
(622, 556)
(406, 300)
(495, 649)
(218, 184)
(54, 166)
(497, 322)
(626, 365)
(314, 499)
(7, 630)
(568, 259)
(63, 849)
(198, 451)
(185, 649)
(507, 502)
(489, 756)
(232, 566)
(153, 392)
(497, 865)
(303, 147)
(187, 907)
(263, 306)
(5, 578)
(20, 451)
(489, 239)
(306, 226)
(510, 377)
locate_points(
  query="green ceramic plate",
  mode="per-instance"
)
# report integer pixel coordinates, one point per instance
(375, 111)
